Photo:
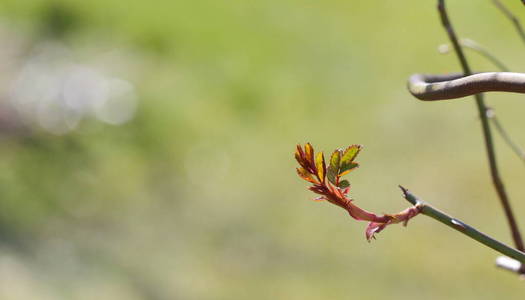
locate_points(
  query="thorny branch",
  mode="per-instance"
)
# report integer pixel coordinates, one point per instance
(428, 210)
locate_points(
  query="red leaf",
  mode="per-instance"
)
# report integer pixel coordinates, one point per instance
(309, 152)
(306, 175)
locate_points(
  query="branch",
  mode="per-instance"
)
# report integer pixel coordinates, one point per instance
(489, 145)
(511, 17)
(428, 87)
(326, 181)
(470, 44)
(460, 226)
(506, 137)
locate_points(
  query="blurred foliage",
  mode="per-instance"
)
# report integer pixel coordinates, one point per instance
(196, 197)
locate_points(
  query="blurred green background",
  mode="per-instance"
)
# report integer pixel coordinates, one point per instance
(194, 195)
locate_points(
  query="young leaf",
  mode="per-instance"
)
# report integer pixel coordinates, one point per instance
(331, 174)
(348, 157)
(333, 168)
(350, 153)
(320, 165)
(343, 184)
(318, 189)
(303, 163)
(309, 153)
(306, 175)
(335, 158)
(299, 154)
(345, 169)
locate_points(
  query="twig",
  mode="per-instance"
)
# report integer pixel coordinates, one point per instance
(506, 137)
(489, 145)
(460, 226)
(511, 17)
(470, 44)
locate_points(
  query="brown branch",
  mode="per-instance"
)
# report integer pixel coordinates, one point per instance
(489, 145)
(428, 87)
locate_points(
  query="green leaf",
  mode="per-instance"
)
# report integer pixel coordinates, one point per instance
(350, 153)
(320, 165)
(335, 158)
(345, 169)
(344, 184)
(347, 159)
(333, 168)
(331, 174)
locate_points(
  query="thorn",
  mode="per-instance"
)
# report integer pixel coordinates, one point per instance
(443, 49)
(490, 113)
(404, 190)
(458, 224)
